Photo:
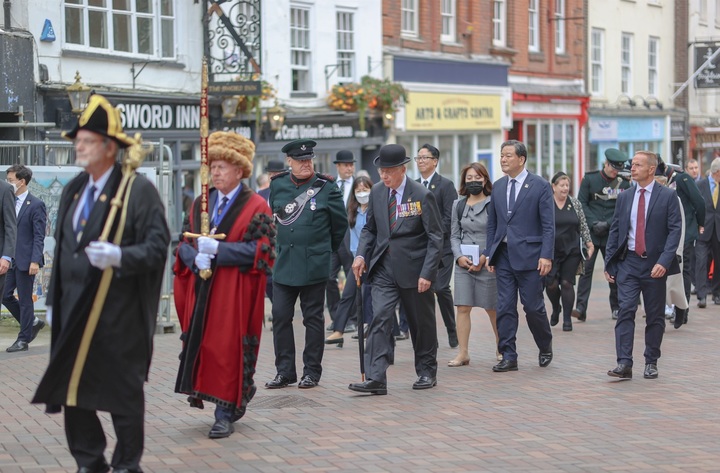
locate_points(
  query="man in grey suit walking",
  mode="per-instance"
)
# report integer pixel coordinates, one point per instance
(520, 245)
(400, 247)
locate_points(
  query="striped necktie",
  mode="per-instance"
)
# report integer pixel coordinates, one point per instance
(392, 209)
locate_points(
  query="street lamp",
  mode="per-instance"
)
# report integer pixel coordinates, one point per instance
(79, 94)
(229, 106)
(388, 118)
(276, 116)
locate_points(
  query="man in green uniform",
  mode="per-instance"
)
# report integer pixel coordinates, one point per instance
(598, 193)
(311, 223)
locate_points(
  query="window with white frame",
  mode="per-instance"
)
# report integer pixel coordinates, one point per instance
(129, 27)
(409, 17)
(626, 45)
(653, 55)
(499, 14)
(345, 46)
(300, 49)
(534, 26)
(560, 26)
(447, 13)
(597, 60)
(702, 12)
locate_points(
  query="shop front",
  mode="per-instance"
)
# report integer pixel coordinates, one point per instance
(552, 126)
(628, 134)
(705, 145)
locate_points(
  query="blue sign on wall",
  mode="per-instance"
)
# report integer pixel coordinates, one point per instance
(48, 33)
(626, 129)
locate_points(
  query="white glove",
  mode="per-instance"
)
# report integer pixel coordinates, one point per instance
(206, 245)
(102, 255)
(48, 315)
(202, 261)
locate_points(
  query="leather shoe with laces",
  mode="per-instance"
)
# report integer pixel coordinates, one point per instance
(279, 381)
(19, 345)
(425, 382)
(221, 429)
(36, 329)
(307, 382)
(505, 365)
(86, 469)
(651, 371)
(370, 387)
(702, 302)
(621, 371)
(544, 359)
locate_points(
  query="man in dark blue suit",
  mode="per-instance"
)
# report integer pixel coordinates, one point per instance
(520, 245)
(641, 247)
(31, 223)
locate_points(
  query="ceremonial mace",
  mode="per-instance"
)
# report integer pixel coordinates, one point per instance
(204, 169)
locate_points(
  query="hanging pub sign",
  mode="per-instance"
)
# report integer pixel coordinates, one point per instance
(709, 77)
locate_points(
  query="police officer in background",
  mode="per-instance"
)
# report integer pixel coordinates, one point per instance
(598, 193)
(311, 223)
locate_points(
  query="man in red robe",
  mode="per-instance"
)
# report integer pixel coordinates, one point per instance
(222, 316)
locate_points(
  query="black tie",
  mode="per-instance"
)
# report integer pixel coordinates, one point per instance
(511, 203)
(342, 186)
(425, 183)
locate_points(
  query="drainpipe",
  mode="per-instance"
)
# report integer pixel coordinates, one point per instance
(6, 8)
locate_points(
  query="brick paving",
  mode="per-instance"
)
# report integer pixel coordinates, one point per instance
(569, 417)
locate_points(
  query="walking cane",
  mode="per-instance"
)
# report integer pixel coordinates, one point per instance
(360, 327)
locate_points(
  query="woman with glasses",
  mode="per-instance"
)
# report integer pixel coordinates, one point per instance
(474, 285)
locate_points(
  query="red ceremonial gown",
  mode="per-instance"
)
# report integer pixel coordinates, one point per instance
(222, 317)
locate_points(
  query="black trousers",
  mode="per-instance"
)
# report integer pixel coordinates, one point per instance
(585, 283)
(443, 293)
(86, 439)
(706, 251)
(340, 259)
(312, 299)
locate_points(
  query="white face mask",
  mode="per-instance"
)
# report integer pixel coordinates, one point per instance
(362, 197)
(14, 186)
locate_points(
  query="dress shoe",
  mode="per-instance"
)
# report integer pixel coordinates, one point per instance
(505, 365)
(19, 345)
(702, 302)
(651, 371)
(716, 300)
(402, 336)
(37, 326)
(370, 387)
(555, 317)
(452, 339)
(567, 327)
(544, 359)
(221, 429)
(307, 382)
(279, 381)
(86, 469)
(579, 314)
(614, 315)
(126, 470)
(349, 328)
(335, 341)
(679, 318)
(621, 371)
(425, 382)
(455, 363)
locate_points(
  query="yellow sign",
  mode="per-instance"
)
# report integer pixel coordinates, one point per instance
(429, 111)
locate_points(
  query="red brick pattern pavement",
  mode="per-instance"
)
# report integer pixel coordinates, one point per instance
(569, 417)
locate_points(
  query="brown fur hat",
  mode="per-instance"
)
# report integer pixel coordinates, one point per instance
(233, 148)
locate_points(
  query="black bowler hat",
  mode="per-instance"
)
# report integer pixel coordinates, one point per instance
(391, 156)
(344, 156)
(300, 149)
(102, 118)
(275, 166)
(616, 158)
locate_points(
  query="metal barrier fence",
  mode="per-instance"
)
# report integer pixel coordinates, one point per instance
(62, 153)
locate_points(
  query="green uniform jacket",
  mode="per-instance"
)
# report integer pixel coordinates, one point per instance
(598, 194)
(304, 247)
(693, 204)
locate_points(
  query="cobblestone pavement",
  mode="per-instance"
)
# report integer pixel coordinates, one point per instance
(569, 417)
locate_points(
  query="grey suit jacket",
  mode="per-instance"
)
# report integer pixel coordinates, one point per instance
(415, 244)
(8, 222)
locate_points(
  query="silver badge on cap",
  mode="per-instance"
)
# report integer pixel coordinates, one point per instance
(303, 148)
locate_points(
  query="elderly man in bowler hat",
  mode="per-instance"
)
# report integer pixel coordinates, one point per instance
(311, 223)
(400, 248)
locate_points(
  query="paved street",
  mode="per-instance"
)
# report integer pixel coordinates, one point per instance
(569, 417)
